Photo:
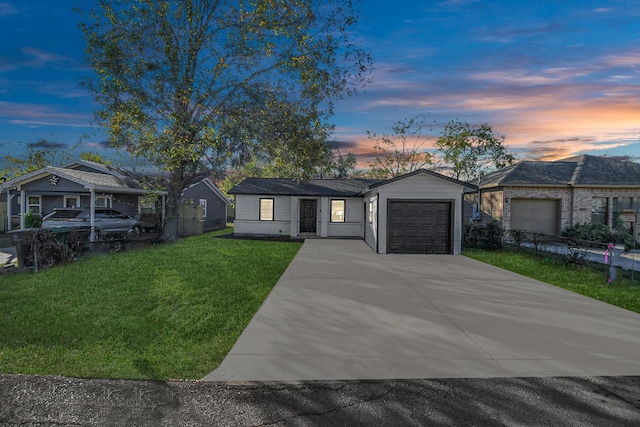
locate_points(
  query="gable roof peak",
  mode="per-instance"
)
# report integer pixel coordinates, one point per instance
(421, 172)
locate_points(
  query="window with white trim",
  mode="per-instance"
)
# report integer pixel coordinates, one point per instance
(102, 201)
(370, 212)
(34, 204)
(147, 204)
(71, 201)
(266, 209)
(337, 210)
(203, 203)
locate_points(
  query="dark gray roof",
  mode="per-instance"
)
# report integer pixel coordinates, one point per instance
(426, 172)
(593, 170)
(323, 187)
(531, 173)
(583, 170)
(314, 187)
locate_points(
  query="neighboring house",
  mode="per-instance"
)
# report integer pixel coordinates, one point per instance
(78, 184)
(420, 212)
(548, 197)
(214, 203)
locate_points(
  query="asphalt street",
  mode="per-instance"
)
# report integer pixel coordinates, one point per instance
(589, 401)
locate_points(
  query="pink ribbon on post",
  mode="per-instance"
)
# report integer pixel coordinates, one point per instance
(606, 253)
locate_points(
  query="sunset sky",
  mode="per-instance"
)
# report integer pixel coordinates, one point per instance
(557, 78)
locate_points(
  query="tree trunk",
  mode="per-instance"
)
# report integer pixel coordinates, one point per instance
(172, 209)
(170, 229)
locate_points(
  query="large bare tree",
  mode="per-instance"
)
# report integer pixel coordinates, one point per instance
(176, 79)
(400, 152)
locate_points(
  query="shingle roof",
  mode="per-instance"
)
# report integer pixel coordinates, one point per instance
(100, 180)
(100, 168)
(322, 187)
(595, 170)
(426, 172)
(314, 187)
(531, 173)
(583, 170)
(90, 180)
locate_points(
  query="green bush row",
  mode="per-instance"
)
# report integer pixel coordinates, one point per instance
(599, 233)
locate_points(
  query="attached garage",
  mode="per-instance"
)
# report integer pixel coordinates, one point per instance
(416, 226)
(416, 213)
(536, 215)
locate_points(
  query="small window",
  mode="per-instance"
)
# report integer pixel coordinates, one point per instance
(371, 212)
(337, 210)
(71, 201)
(147, 204)
(266, 209)
(34, 204)
(102, 202)
(203, 203)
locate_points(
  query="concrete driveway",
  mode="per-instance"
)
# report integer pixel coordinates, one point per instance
(340, 311)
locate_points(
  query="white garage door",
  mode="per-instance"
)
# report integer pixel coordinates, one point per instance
(535, 215)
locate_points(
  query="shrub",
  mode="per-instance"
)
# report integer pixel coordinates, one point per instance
(48, 248)
(518, 236)
(598, 233)
(487, 236)
(32, 220)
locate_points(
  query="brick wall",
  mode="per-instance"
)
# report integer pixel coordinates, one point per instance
(575, 203)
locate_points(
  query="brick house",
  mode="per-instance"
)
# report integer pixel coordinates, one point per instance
(548, 197)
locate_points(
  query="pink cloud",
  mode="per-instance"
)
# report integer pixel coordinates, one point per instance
(40, 115)
(39, 58)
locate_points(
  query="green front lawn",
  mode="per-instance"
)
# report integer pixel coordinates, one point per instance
(171, 311)
(579, 279)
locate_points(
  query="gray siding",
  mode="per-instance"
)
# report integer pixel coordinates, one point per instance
(417, 187)
(42, 186)
(216, 216)
(125, 203)
(247, 220)
(354, 216)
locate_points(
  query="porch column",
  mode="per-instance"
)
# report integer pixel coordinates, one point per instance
(22, 209)
(9, 197)
(295, 215)
(92, 207)
(325, 211)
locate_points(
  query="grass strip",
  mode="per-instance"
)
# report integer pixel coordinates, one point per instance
(171, 311)
(579, 279)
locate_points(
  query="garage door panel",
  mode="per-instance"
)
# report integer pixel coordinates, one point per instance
(535, 215)
(419, 227)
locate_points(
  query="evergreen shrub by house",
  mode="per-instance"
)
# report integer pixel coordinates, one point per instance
(484, 236)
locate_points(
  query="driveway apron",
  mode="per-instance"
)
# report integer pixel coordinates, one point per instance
(341, 311)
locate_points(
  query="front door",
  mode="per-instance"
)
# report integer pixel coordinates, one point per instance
(308, 216)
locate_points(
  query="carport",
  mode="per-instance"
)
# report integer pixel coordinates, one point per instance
(341, 311)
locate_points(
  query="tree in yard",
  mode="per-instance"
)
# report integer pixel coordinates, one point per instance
(38, 155)
(94, 157)
(401, 152)
(192, 83)
(472, 150)
(340, 166)
(44, 153)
